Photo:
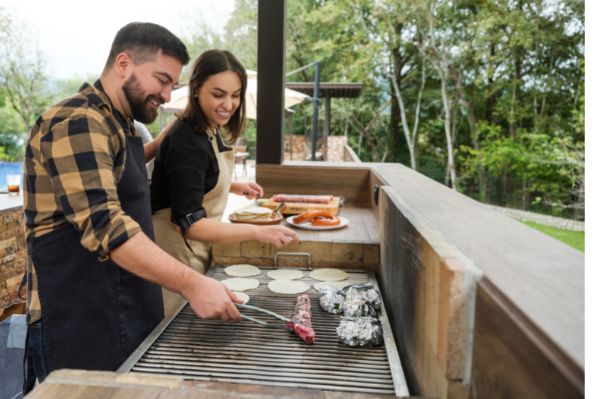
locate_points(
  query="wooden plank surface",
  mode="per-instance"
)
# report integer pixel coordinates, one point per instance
(345, 179)
(428, 288)
(295, 208)
(81, 384)
(541, 276)
(505, 362)
(355, 245)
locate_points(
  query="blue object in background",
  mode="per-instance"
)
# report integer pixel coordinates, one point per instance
(10, 168)
(12, 350)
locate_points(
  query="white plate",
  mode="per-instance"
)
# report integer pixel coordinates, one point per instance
(308, 226)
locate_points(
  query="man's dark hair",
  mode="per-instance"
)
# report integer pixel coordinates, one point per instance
(142, 40)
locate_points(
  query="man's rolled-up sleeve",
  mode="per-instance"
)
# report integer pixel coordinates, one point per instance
(80, 154)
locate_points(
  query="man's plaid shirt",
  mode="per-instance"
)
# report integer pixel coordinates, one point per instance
(74, 158)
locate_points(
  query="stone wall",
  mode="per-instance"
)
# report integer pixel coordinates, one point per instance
(546, 220)
(297, 149)
(12, 256)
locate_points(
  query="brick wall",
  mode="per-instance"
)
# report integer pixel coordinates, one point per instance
(12, 256)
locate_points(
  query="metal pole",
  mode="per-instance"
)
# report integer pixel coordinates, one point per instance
(316, 101)
(327, 127)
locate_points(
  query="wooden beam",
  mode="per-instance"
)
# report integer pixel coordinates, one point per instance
(270, 86)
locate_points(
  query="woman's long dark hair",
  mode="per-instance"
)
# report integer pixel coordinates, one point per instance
(210, 63)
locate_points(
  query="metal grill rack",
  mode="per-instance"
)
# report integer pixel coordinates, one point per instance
(245, 352)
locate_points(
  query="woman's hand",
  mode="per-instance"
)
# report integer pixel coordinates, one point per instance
(279, 236)
(249, 190)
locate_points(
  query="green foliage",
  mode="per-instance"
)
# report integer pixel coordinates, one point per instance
(514, 77)
(12, 132)
(575, 239)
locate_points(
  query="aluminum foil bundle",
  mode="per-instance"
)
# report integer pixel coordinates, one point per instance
(331, 299)
(360, 331)
(361, 300)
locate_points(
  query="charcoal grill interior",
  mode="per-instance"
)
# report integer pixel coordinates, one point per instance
(246, 352)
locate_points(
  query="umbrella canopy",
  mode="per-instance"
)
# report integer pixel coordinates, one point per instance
(179, 97)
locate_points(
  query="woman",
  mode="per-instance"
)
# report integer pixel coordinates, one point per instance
(193, 168)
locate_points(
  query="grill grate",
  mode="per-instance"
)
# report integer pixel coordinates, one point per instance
(245, 352)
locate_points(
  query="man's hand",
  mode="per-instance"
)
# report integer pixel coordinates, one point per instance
(207, 297)
(211, 300)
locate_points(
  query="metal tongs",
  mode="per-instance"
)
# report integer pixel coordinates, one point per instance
(265, 311)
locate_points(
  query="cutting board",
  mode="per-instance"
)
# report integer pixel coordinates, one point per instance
(294, 208)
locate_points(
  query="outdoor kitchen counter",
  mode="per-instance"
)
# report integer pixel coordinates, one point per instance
(9, 202)
(71, 384)
(353, 246)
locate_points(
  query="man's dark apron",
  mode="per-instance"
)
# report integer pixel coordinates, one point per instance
(95, 314)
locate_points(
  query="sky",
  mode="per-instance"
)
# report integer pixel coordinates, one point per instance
(75, 36)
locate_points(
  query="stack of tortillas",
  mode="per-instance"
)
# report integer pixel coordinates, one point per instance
(242, 271)
(284, 282)
(332, 277)
(239, 281)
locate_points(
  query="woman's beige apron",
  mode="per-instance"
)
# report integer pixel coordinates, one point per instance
(169, 238)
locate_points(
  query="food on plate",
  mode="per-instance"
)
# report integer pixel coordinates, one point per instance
(325, 221)
(360, 331)
(287, 286)
(301, 322)
(255, 213)
(361, 300)
(328, 274)
(331, 299)
(285, 274)
(240, 283)
(243, 296)
(242, 271)
(314, 199)
(317, 218)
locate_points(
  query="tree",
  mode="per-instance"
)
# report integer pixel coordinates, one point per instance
(22, 75)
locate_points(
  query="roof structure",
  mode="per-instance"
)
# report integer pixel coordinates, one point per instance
(331, 90)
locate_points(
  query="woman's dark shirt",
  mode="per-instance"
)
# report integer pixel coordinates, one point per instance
(185, 169)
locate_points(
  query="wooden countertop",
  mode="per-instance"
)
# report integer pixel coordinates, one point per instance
(362, 228)
(353, 246)
(72, 384)
(541, 276)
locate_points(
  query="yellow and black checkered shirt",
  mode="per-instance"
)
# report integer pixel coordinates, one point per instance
(74, 158)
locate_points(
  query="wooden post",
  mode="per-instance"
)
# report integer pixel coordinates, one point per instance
(270, 85)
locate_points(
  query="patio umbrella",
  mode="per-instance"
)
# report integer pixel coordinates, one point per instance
(179, 97)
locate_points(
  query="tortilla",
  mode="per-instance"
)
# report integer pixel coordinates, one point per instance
(253, 213)
(328, 274)
(242, 271)
(243, 296)
(285, 274)
(240, 283)
(288, 287)
(335, 284)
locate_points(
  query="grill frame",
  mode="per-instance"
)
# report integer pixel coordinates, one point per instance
(258, 344)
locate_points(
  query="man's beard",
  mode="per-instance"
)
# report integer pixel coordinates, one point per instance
(138, 102)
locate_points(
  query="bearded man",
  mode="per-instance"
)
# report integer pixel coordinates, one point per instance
(93, 270)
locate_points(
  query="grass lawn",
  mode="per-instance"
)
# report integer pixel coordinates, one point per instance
(576, 239)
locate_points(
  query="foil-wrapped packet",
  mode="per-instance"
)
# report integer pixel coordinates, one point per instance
(331, 299)
(360, 331)
(361, 300)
